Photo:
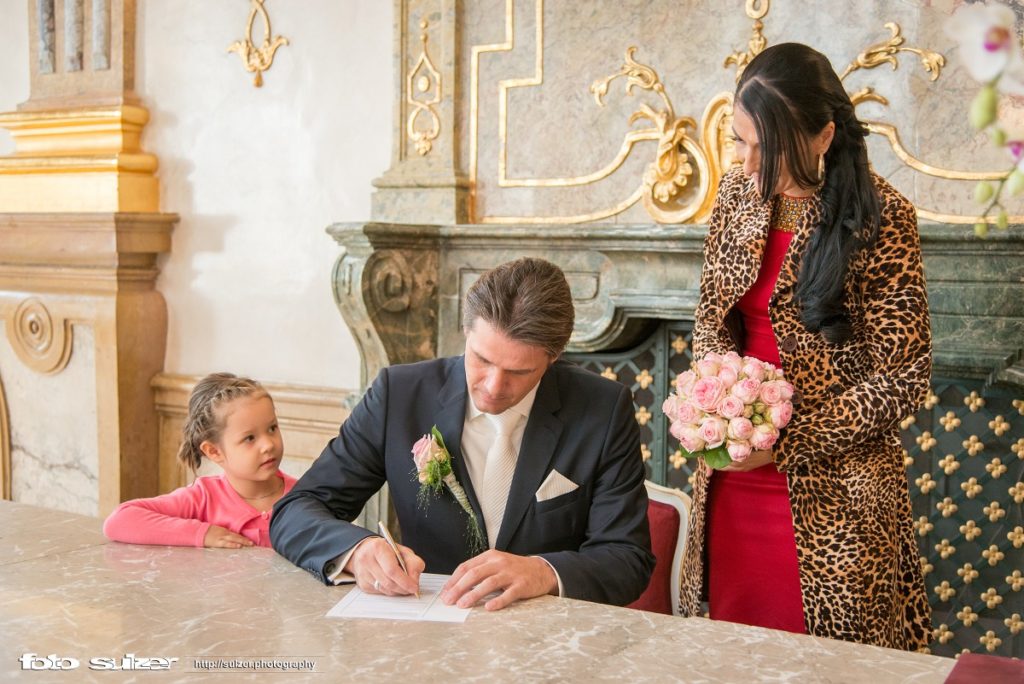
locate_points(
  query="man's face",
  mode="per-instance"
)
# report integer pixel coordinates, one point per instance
(500, 371)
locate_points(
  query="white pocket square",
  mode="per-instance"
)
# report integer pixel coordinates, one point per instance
(555, 484)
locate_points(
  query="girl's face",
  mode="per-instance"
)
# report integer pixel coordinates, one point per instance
(250, 447)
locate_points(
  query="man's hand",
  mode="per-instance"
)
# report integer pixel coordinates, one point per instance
(516, 577)
(756, 459)
(217, 537)
(376, 568)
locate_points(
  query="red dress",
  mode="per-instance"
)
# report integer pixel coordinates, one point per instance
(753, 576)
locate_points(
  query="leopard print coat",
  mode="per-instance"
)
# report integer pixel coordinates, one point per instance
(860, 572)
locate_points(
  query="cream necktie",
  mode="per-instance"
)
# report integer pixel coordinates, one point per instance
(498, 471)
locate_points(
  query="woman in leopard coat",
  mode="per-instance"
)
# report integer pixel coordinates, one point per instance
(842, 298)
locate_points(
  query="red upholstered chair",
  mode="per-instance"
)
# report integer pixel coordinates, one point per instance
(668, 513)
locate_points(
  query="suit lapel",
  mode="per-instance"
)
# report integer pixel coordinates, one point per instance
(450, 421)
(538, 448)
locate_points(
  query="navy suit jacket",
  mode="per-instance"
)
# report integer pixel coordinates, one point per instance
(581, 425)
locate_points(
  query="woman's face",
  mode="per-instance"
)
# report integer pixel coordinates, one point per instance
(748, 153)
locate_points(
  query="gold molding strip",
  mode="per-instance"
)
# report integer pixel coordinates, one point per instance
(890, 132)
(5, 446)
(428, 80)
(629, 140)
(662, 179)
(507, 84)
(256, 60)
(677, 152)
(474, 103)
(579, 218)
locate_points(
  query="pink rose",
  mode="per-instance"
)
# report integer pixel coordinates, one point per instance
(731, 406)
(668, 407)
(684, 383)
(746, 390)
(764, 436)
(421, 455)
(713, 356)
(689, 437)
(707, 392)
(754, 369)
(707, 368)
(734, 361)
(787, 389)
(687, 412)
(738, 451)
(728, 376)
(771, 392)
(712, 431)
(780, 414)
(740, 429)
(678, 428)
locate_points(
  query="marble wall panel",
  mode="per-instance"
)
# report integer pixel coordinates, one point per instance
(54, 455)
(554, 129)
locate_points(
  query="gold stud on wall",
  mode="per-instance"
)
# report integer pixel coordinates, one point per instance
(423, 92)
(256, 60)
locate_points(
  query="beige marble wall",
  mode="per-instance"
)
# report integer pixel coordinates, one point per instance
(537, 147)
(54, 445)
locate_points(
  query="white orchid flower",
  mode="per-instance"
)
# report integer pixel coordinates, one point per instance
(989, 46)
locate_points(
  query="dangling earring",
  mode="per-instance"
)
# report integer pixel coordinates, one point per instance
(821, 169)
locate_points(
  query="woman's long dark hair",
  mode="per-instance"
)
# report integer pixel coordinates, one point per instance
(791, 92)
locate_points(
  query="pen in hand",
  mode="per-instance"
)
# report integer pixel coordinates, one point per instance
(394, 547)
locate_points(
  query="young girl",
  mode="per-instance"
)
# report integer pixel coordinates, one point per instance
(232, 422)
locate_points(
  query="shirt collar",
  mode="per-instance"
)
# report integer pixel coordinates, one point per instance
(523, 408)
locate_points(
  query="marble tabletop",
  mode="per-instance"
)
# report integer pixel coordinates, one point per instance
(65, 592)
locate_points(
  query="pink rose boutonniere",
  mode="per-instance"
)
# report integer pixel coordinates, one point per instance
(434, 473)
(727, 406)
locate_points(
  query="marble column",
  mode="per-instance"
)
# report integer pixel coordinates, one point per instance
(84, 329)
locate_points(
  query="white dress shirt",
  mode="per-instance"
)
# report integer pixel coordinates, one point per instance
(478, 434)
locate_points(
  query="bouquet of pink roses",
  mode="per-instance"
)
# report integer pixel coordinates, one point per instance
(728, 405)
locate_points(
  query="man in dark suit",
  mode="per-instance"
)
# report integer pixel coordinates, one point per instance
(547, 454)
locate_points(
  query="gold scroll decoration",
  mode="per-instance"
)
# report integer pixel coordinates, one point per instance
(668, 189)
(887, 52)
(666, 179)
(5, 447)
(41, 342)
(756, 10)
(422, 93)
(257, 59)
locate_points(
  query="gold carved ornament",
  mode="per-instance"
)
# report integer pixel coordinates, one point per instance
(42, 343)
(886, 52)
(756, 11)
(667, 177)
(257, 59)
(422, 93)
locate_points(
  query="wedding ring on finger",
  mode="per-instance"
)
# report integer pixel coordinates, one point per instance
(376, 585)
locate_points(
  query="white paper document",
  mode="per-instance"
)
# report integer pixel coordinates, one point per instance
(427, 608)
